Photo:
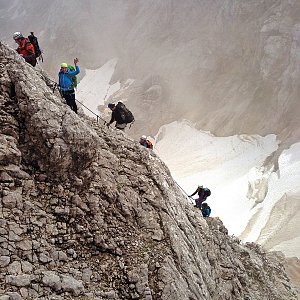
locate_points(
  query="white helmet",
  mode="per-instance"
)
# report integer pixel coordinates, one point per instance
(143, 137)
(17, 35)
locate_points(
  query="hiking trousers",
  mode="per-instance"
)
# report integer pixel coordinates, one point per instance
(199, 202)
(70, 99)
(121, 126)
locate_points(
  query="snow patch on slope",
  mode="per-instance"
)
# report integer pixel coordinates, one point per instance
(95, 87)
(227, 165)
(284, 221)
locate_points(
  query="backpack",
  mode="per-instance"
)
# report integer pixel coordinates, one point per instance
(126, 114)
(206, 211)
(207, 192)
(34, 41)
(73, 78)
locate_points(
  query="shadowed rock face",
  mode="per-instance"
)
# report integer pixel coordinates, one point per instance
(87, 212)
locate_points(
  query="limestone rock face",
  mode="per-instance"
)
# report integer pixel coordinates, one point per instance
(87, 212)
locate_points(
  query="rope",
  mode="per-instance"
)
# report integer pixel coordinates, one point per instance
(184, 191)
(55, 86)
(190, 198)
(97, 116)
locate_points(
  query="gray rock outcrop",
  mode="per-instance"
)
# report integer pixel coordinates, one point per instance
(87, 212)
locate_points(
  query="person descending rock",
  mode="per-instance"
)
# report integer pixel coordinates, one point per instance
(206, 210)
(145, 142)
(25, 48)
(66, 84)
(203, 193)
(121, 115)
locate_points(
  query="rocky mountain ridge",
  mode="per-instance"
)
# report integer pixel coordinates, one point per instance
(87, 213)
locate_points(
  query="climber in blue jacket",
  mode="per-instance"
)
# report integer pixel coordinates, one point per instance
(205, 209)
(66, 84)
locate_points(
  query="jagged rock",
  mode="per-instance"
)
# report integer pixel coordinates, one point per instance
(86, 275)
(14, 296)
(19, 280)
(70, 284)
(44, 258)
(4, 261)
(12, 200)
(4, 177)
(25, 245)
(27, 267)
(15, 268)
(84, 202)
(24, 293)
(107, 295)
(52, 280)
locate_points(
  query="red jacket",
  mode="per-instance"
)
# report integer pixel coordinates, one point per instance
(26, 49)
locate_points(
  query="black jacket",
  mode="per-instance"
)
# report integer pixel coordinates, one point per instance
(118, 116)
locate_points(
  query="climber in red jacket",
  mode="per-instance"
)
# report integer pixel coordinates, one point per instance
(25, 49)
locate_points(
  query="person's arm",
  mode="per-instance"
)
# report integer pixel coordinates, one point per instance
(112, 119)
(77, 70)
(194, 193)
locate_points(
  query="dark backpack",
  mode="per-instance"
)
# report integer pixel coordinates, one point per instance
(206, 211)
(207, 192)
(125, 113)
(34, 41)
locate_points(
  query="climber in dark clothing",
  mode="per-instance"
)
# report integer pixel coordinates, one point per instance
(203, 193)
(116, 116)
(206, 210)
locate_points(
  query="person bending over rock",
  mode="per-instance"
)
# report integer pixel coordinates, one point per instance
(203, 193)
(25, 48)
(121, 115)
(145, 142)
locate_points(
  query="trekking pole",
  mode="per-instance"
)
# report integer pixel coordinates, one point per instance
(54, 87)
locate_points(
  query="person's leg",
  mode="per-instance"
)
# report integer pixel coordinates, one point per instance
(200, 202)
(74, 106)
(121, 126)
(68, 98)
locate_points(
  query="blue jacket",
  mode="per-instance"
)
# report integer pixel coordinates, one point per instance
(206, 212)
(65, 79)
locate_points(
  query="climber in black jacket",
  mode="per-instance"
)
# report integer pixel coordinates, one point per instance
(120, 114)
(116, 116)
